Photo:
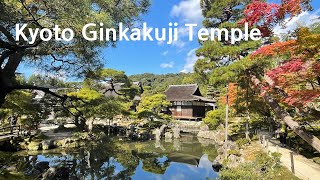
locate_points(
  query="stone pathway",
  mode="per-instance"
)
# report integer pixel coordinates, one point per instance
(49, 131)
(304, 168)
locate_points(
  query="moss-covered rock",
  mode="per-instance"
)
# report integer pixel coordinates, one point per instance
(24, 145)
(27, 139)
(34, 146)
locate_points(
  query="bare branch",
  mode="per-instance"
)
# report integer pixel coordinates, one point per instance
(35, 21)
(44, 89)
(7, 34)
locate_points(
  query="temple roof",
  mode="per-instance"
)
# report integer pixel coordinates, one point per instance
(189, 92)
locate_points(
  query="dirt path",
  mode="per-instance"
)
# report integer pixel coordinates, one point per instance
(304, 168)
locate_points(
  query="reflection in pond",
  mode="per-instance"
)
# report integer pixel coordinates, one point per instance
(181, 159)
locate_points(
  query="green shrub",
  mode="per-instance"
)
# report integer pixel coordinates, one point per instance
(234, 152)
(255, 137)
(263, 167)
(242, 142)
(81, 135)
(153, 124)
(244, 171)
(214, 118)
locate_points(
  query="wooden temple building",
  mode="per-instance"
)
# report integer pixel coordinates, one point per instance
(187, 103)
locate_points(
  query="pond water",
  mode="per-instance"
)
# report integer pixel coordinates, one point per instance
(185, 158)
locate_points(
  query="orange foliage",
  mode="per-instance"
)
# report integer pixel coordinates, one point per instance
(232, 94)
(276, 48)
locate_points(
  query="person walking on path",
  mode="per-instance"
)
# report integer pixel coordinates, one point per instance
(13, 121)
(283, 134)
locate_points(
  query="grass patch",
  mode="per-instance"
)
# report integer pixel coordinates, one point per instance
(15, 176)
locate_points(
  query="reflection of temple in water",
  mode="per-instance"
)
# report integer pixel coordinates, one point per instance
(137, 160)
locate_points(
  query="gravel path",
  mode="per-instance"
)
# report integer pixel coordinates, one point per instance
(304, 168)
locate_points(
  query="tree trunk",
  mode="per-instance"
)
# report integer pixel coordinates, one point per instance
(4, 87)
(76, 120)
(7, 75)
(82, 124)
(281, 113)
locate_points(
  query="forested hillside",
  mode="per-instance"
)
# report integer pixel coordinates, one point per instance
(158, 83)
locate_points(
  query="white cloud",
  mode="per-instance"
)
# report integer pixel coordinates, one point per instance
(183, 31)
(304, 19)
(167, 65)
(179, 43)
(188, 10)
(191, 59)
(160, 43)
(165, 53)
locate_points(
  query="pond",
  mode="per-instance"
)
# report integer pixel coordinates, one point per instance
(185, 158)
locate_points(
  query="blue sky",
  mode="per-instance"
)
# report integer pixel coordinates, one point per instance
(141, 57)
(159, 58)
(147, 56)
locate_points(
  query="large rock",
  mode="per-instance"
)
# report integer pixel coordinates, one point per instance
(204, 128)
(216, 165)
(12, 168)
(233, 160)
(24, 145)
(176, 132)
(47, 144)
(42, 166)
(168, 135)
(34, 146)
(206, 134)
(231, 145)
(157, 134)
(70, 143)
(217, 135)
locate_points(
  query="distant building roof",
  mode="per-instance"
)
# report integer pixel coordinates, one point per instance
(107, 90)
(136, 83)
(189, 92)
(38, 94)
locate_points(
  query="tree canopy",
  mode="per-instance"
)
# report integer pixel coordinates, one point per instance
(77, 57)
(284, 69)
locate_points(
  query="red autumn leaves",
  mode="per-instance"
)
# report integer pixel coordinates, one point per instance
(265, 15)
(298, 73)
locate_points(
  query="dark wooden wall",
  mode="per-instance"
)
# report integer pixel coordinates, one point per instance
(185, 111)
(189, 111)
